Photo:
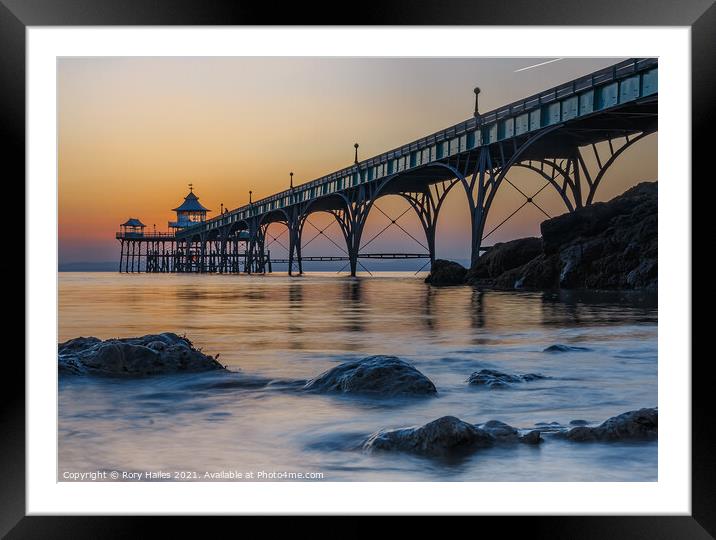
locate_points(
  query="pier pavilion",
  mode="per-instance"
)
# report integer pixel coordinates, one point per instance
(142, 251)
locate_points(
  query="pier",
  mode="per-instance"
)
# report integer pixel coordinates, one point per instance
(554, 134)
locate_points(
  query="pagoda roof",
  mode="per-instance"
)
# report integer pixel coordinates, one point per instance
(133, 222)
(191, 204)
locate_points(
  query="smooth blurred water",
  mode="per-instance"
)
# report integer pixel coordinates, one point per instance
(284, 328)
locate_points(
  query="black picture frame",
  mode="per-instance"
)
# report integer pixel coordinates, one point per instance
(16, 15)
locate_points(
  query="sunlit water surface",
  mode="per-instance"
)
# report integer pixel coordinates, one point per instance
(294, 328)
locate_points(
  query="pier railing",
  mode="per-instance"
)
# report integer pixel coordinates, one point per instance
(120, 235)
(604, 89)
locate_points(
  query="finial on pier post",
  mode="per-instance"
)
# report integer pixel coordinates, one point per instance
(250, 192)
(477, 93)
(291, 174)
(356, 158)
(191, 188)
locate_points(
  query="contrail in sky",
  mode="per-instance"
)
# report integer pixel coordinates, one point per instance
(538, 65)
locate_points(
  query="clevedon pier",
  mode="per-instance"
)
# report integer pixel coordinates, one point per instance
(555, 134)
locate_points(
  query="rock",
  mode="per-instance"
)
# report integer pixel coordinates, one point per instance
(447, 436)
(132, 357)
(629, 208)
(633, 425)
(381, 375)
(503, 257)
(443, 437)
(578, 423)
(445, 272)
(77, 344)
(611, 245)
(496, 379)
(533, 437)
(500, 431)
(559, 348)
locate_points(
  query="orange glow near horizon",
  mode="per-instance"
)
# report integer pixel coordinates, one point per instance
(133, 132)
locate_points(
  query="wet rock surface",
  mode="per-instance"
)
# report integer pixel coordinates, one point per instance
(500, 431)
(153, 354)
(610, 245)
(496, 379)
(639, 425)
(503, 257)
(443, 437)
(447, 436)
(384, 376)
(532, 437)
(445, 272)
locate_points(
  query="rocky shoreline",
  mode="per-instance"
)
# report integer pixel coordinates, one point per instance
(372, 377)
(606, 246)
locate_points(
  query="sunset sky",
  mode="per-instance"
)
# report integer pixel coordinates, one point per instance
(133, 132)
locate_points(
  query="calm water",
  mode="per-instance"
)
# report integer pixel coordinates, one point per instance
(281, 328)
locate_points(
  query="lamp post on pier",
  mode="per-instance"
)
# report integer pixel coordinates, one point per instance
(476, 114)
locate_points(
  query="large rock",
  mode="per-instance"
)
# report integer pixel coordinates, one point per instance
(378, 375)
(633, 425)
(152, 354)
(445, 272)
(611, 245)
(503, 257)
(440, 438)
(496, 379)
(632, 208)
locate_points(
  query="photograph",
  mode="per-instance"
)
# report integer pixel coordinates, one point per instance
(357, 269)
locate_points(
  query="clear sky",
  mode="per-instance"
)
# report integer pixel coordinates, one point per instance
(133, 132)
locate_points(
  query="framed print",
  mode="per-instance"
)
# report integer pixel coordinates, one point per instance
(418, 265)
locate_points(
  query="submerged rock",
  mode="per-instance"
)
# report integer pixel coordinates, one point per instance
(633, 425)
(382, 375)
(445, 272)
(565, 348)
(152, 354)
(443, 437)
(496, 379)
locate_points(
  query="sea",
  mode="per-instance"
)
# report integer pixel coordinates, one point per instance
(235, 427)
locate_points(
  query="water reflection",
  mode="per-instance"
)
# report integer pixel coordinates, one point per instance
(353, 304)
(429, 297)
(477, 312)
